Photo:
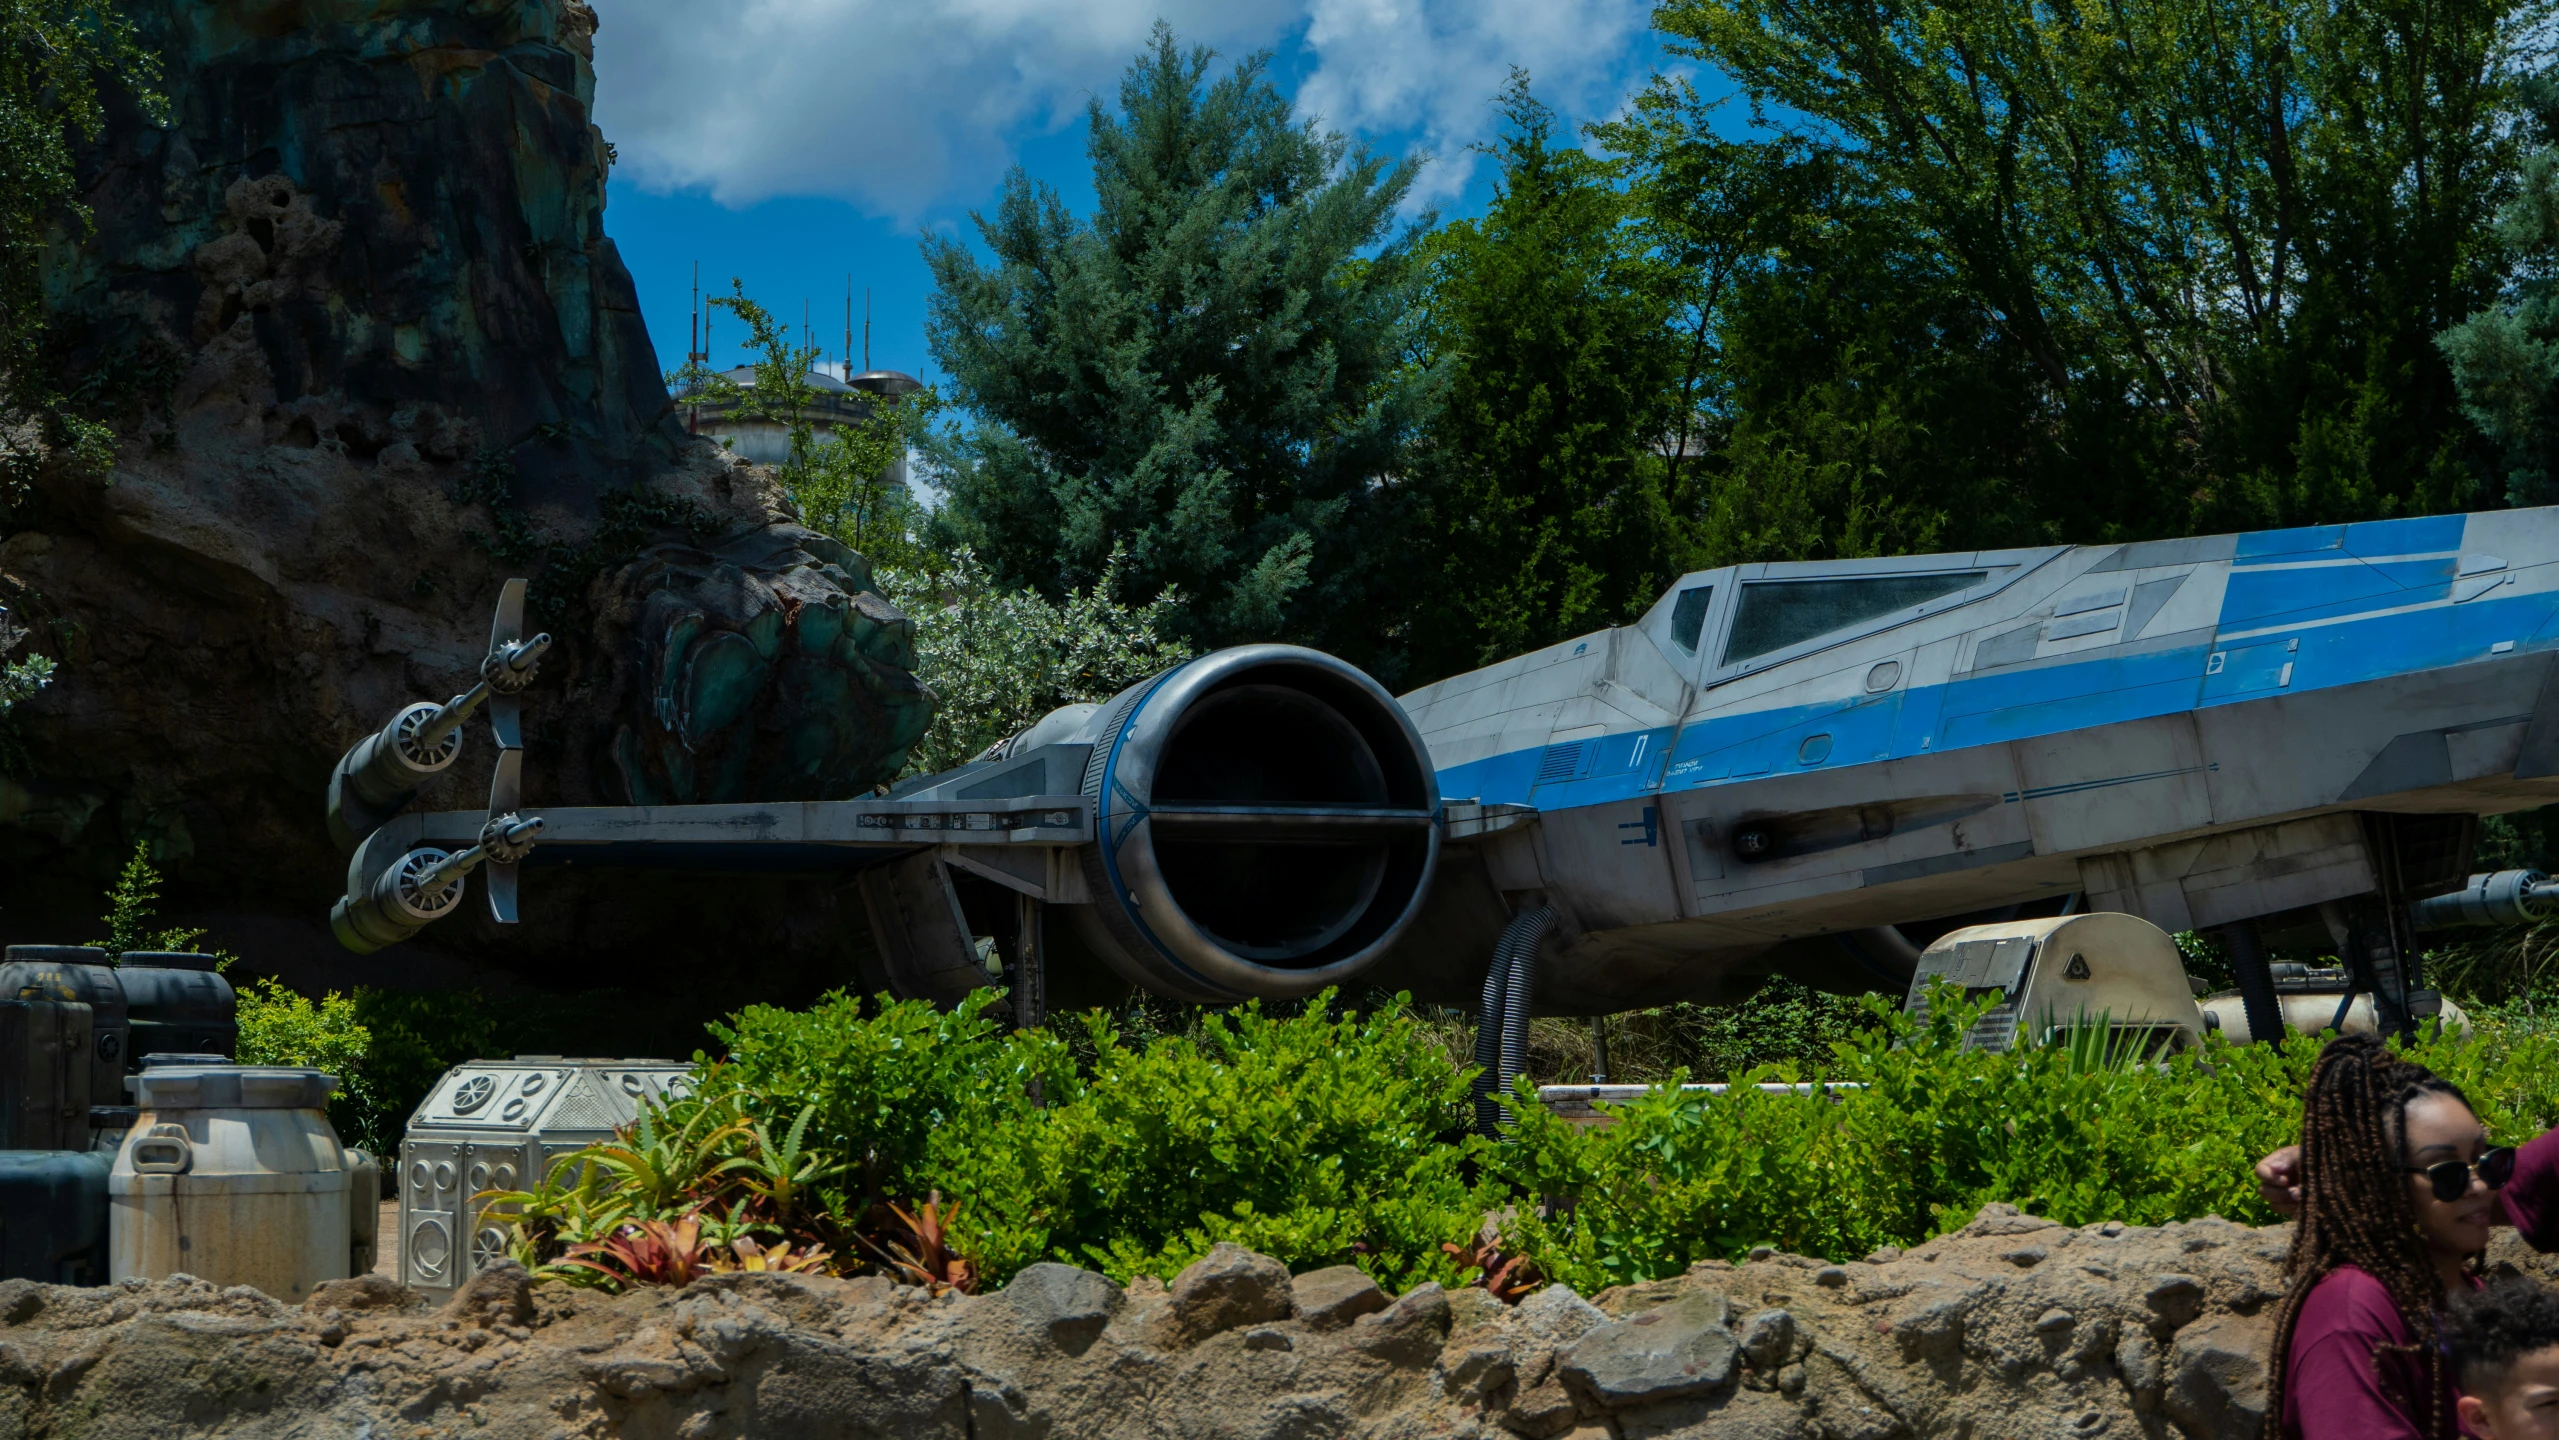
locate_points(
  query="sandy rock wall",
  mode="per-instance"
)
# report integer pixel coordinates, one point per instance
(2013, 1327)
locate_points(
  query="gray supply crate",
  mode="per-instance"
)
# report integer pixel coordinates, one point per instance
(497, 1125)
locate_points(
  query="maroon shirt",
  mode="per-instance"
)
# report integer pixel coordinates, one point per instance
(2353, 1372)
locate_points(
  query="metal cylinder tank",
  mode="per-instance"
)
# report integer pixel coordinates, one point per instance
(233, 1174)
(53, 1216)
(177, 1005)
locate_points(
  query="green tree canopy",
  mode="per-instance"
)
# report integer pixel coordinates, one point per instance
(53, 56)
(1212, 372)
(2506, 357)
(1544, 500)
(2219, 235)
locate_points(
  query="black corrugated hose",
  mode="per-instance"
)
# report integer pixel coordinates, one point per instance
(1501, 1024)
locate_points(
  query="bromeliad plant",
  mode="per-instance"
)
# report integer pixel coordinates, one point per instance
(653, 1206)
(643, 1252)
(917, 1248)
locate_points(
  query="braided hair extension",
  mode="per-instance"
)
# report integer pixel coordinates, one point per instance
(2355, 1209)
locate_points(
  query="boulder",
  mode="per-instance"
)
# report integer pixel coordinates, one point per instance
(1228, 1287)
(1683, 1349)
(1071, 1307)
(2058, 1349)
(2218, 1369)
(1408, 1332)
(1331, 1298)
(501, 1294)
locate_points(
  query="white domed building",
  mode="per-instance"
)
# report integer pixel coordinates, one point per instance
(838, 401)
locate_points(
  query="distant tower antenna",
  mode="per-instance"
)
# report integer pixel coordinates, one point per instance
(694, 346)
(848, 328)
(866, 323)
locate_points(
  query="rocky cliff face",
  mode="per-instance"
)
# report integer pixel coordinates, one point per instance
(2013, 1327)
(371, 351)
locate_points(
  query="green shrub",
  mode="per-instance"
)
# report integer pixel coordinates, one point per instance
(1318, 1139)
(911, 1101)
(888, 1082)
(1315, 1140)
(282, 1027)
(1936, 1131)
(1324, 1139)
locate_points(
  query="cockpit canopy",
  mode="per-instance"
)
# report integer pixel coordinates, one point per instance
(1743, 618)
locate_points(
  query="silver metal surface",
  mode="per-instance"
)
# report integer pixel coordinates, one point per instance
(496, 1126)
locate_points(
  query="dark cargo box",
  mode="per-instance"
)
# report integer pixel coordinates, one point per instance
(53, 1216)
(78, 972)
(44, 1075)
(177, 1005)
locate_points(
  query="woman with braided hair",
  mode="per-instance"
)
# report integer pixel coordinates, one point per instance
(2397, 1187)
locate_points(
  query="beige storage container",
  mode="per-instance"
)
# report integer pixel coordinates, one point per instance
(2066, 970)
(232, 1173)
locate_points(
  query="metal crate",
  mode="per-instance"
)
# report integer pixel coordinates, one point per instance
(497, 1125)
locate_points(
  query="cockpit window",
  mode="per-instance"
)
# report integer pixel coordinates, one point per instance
(1778, 613)
(1688, 617)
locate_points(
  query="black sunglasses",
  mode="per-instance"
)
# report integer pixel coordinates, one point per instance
(2451, 1179)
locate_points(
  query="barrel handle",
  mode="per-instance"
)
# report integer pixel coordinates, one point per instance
(166, 1150)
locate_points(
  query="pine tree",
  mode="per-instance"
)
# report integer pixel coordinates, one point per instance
(1213, 372)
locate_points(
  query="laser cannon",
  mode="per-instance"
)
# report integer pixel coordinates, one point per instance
(2506, 897)
(425, 884)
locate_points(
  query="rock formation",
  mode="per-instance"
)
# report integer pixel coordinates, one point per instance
(372, 352)
(2012, 1327)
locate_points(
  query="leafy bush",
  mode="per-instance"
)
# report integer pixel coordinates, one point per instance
(1001, 656)
(1318, 1139)
(279, 1026)
(1935, 1132)
(1315, 1140)
(1325, 1138)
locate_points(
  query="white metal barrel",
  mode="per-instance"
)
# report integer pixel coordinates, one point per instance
(232, 1173)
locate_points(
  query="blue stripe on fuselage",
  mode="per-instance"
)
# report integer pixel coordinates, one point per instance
(2015, 704)
(2283, 596)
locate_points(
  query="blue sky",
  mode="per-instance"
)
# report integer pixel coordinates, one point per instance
(797, 142)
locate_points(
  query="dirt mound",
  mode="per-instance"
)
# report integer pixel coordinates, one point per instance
(2014, 1326)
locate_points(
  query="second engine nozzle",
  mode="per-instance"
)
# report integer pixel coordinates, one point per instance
(1267, 820)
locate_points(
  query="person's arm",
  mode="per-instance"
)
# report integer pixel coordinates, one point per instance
(2530, 1201)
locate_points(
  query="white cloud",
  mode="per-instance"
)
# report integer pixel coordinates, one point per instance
(904, 105)
(1434, 68)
